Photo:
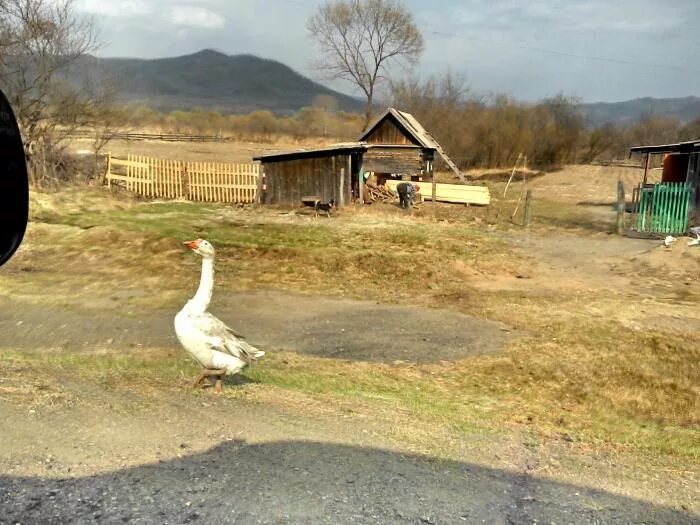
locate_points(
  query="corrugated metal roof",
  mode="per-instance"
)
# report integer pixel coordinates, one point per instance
(305, 153)
(425, 138)
(690, 146)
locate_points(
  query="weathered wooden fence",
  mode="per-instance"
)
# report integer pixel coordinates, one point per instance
(166, 137)
(661, 208)
(174, 179)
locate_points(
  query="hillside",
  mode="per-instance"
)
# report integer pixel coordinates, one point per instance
(213, 80)
(245, 83)
(685, 109)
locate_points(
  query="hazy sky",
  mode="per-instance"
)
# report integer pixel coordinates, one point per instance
(599, 50)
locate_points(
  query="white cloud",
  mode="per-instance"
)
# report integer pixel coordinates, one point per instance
(501, 45)
(187, 15)
(115, 8)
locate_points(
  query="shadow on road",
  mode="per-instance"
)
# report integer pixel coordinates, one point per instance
(310, 483)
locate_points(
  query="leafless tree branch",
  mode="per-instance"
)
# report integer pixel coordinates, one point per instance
(359, 39)
(39, 41)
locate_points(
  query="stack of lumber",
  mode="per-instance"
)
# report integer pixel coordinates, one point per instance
(458, 193)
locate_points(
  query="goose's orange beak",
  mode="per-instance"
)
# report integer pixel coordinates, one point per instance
(192, 245)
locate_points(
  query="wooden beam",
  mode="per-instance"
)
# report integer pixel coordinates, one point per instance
(528, 208)
(258, 190)
(361, 187)
(348, 191)
(434, 189)
(620, 208)
(646, 168)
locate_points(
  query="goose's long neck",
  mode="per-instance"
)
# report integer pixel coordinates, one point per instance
(200, 301)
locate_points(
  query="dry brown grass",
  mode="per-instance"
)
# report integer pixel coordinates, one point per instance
(582, 372)
(239, 152)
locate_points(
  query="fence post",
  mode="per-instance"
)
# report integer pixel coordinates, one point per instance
(433, 193)
(186, 181)
(528, 208)
(258, 190)
(620, 208)
(109, 167)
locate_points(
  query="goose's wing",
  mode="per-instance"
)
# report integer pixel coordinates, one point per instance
(216, 326)
(223, 338)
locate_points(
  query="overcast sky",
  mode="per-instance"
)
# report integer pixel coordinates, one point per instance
(598, 50)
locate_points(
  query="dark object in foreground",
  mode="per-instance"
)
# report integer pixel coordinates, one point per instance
(208, 373)
(15, 183)
(407, 193)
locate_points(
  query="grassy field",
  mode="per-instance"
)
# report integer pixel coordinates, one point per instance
(587, 368)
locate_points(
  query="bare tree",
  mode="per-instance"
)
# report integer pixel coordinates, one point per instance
(359, 39)
(39, 41)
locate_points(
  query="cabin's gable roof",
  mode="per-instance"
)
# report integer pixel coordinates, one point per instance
(408, 124)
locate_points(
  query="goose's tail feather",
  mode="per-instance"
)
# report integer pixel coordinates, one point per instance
(244, 350)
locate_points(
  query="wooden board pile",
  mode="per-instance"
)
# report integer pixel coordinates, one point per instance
(457, 193)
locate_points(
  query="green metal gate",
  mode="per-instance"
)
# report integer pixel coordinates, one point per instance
(663, 208)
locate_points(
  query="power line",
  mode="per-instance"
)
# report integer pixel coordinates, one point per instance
(296, 2)
(612, 60)
(564, 53)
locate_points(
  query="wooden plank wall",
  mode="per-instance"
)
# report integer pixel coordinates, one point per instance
(173, 179)
(393, 160)
(289, 180)
(388, 132)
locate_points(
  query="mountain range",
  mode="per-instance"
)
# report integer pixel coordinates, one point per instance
(596, 114)
(211, 80)
(244, 83)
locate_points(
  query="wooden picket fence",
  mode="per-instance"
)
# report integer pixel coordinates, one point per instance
(175, 179)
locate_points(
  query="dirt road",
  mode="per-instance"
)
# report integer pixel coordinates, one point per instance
(158, 466)
(345, 329)
(185, 457)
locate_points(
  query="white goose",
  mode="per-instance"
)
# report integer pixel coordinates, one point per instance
(215, 346)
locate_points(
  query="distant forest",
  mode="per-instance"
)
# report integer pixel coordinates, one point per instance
(250, 98)
(476, 133)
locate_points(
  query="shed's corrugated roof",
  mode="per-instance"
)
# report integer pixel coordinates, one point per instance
(690, 146)
(346, 147)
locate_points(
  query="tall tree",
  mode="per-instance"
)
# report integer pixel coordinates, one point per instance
(360, 39)
(39, 41)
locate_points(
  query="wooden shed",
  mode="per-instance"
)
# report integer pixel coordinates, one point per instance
(327, 173)
(395, 146)
(399, 145)
(667, 207)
